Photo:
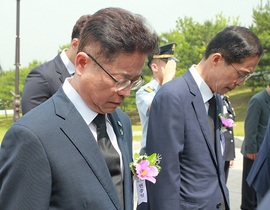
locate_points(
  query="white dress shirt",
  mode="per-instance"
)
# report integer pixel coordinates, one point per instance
(68, 64)
(89, 115)
(203, 87)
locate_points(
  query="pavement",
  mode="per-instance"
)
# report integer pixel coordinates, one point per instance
(235, 174)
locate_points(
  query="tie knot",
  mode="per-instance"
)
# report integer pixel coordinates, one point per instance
(100, 120)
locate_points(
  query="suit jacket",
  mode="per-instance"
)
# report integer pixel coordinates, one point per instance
(192, 174)
(49, 159)
(265, 203)
(42, 82)
(258, 112)
(258, 176)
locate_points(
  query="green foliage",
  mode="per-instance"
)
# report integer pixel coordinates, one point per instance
(238, 97)
(192, 38)
(5, 123)
(62, 47)
(7, 84)
(261, 27)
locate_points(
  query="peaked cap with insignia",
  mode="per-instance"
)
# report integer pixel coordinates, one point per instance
(164, 52)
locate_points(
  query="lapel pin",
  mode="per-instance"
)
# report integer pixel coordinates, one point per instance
(119, 123)
(121, 129)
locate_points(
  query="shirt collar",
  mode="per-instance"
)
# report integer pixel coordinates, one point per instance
(69, 65)
(203, 87)
(155, 84)
(87, 114)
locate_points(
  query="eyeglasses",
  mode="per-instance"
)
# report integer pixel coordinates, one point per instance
(242, 77)
(123, 83)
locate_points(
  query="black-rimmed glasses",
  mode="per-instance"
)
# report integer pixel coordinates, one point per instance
(242, 78)
(123, 83)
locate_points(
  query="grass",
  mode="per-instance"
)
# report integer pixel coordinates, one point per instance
(134, 129)
(5, 123)
(239, 99)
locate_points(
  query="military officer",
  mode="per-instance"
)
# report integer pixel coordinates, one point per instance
(163, 67)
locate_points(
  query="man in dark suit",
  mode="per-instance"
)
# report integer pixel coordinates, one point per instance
(258, 112)
(73, 151)
(43, 81)
(258, 177)
(192, 174)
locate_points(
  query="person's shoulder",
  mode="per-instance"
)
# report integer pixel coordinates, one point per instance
(149, 89)
(42, 67)
(261, 93)
(258, 97)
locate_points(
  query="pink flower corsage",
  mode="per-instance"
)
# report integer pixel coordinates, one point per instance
(226, 122)
(146, 167)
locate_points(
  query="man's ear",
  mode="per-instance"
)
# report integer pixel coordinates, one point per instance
(217, 58)
(154, 67)
(75, 43)
(80, 62)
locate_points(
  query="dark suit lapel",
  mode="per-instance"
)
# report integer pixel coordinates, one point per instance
(61, 68)
(85, 143)
(201, 115)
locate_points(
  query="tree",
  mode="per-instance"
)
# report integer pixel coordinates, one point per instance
(7, 82)
(192, 38)
(62, 47)
(261, 27)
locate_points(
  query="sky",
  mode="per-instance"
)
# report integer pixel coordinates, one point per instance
(47, 24)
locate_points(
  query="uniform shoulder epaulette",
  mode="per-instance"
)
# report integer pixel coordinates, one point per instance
(149, 89)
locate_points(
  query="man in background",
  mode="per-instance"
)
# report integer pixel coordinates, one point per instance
(163, 67)
(257, 115)
(43, 81)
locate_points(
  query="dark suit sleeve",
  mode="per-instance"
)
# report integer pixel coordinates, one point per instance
(36, 89)
(165, 136)
(258, 176)
(24, 172)
(251, 125)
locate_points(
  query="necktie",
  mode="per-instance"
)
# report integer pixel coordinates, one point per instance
(110, 154)
(211, 116)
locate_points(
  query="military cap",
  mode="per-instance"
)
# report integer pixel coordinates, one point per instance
(164, 52)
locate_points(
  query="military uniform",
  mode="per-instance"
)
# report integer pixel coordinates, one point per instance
(145, 94)
(144, 97)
